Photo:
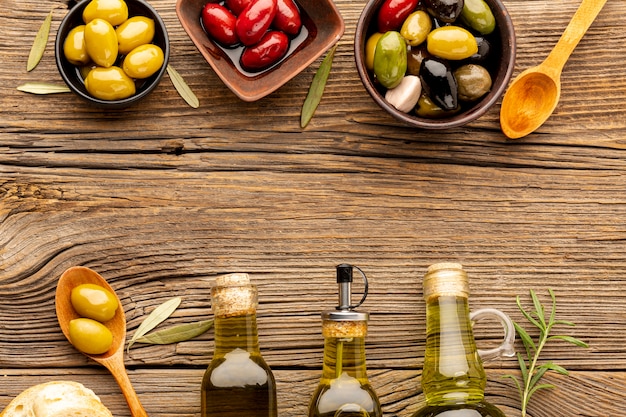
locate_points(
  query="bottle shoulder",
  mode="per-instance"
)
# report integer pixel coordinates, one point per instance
(238, 368)
(345, 394)
(480, 409)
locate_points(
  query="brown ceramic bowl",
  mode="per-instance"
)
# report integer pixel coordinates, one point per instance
(71, 73)
(323, 26)
(501, 64)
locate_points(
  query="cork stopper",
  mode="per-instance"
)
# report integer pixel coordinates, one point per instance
(230, 280)
(343, 329)
(445, 279)
(233, 296)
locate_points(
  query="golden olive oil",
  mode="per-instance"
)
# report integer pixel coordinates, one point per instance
(238, 382)
(453, 378)
(344, 389)
(453, 370)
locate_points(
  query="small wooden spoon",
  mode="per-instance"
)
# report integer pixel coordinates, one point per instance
(534, 94)
(113, 359)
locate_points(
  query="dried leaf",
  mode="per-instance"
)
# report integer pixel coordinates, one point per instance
(39, 44)
(177, 334)
(43, 88)
(316, 90)
(155, 318)
(182, 87)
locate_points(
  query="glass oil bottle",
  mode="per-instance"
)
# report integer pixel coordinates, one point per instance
(237, 382)
(344, 389)
(453, 378)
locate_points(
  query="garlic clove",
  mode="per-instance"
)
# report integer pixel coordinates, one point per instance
(405, 95)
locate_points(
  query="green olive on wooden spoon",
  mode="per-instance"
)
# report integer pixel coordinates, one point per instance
(113, 358)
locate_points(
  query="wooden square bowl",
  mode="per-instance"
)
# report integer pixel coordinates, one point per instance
(322, 27)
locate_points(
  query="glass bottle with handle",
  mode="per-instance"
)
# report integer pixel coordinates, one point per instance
(344, 389)
(238, 382)
(453, 378)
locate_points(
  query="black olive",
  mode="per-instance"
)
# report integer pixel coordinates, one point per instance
(483, 54)
(445, 10)
(439, 83)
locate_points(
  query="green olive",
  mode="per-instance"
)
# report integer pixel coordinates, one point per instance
(109, 83)
(473, 80)
(416, 27)
(113, 11)
(143, 61)
(136, 31)
(94, 302)
(390, 59)
(370, 49)
(101, 42)
(452, 42)
(74, 47)
(90, 336)
(477, 15)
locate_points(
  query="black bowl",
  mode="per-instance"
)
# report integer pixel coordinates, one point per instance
(501, 75)
(71, 73)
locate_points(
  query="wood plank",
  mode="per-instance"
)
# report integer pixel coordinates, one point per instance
(160, 198)
(167, 391)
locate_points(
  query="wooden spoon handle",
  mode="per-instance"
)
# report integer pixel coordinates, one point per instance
(117, 369)
(575, 30)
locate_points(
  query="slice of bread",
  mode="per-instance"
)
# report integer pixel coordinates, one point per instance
(56, 399)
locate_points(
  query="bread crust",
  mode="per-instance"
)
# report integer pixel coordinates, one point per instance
(56, 399)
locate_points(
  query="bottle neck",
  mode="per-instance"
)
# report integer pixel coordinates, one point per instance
(344, 355)
(238, 332)
(453, 371)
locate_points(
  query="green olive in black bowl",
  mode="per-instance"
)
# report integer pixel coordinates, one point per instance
(412, 57)
(125, 75)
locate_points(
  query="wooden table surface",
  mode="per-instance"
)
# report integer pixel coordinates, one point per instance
(160, 198)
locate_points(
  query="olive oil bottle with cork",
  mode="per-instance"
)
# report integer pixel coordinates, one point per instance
(344, 389)
(238, 382)
(453, 379)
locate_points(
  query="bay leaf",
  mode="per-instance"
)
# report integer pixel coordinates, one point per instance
(156, 317)
(316, 90)
(177, 334)
(39, 44)
(43, 88)
(182, 87)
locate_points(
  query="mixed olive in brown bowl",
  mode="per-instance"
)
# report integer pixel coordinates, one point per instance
(112, 53)
(435, 64)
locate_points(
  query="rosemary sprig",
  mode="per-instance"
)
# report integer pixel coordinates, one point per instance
(531, 370)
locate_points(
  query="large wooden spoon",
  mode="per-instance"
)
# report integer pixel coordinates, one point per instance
(534, 94)
(113, 359)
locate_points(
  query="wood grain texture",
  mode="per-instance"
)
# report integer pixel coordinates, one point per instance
(160, 198)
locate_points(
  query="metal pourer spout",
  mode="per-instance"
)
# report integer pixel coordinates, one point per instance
(344, 279)
(345, 312)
